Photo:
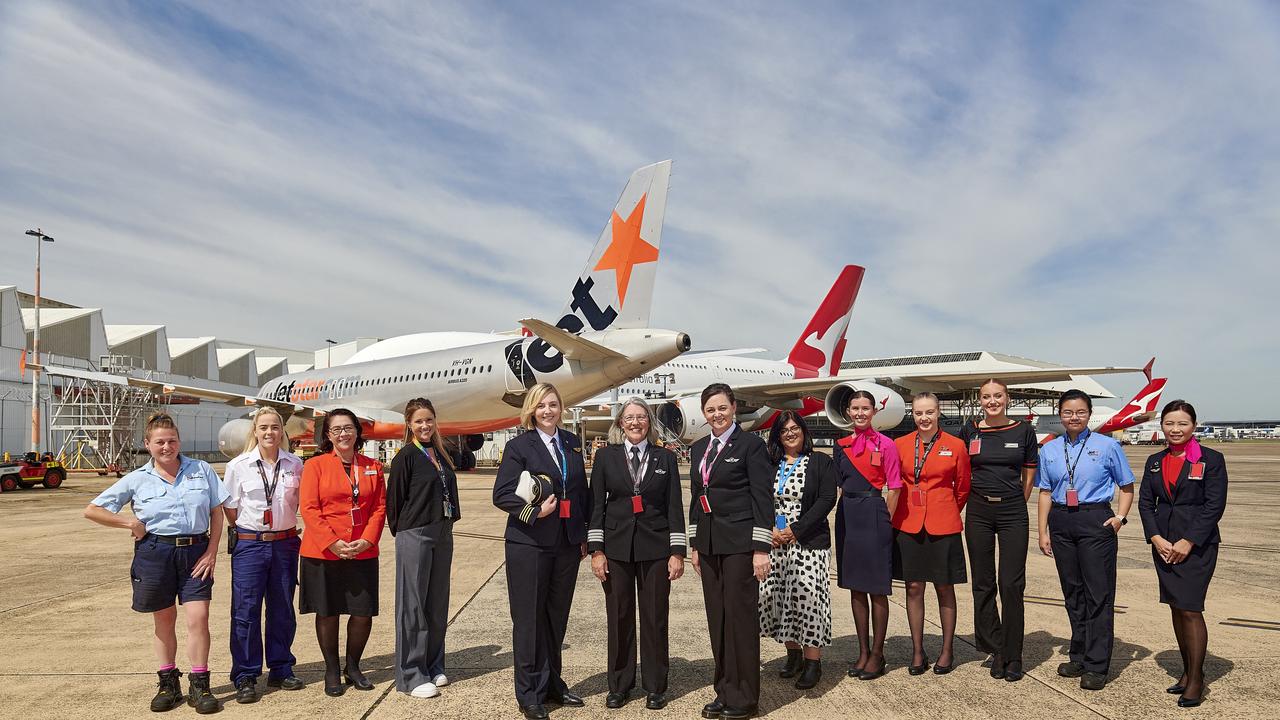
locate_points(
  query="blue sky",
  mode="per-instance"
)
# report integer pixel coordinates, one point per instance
(1092, 183)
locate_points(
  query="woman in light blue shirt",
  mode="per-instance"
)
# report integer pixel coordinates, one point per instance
(176, 524)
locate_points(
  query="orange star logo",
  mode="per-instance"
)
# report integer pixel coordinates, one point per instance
(627, 249)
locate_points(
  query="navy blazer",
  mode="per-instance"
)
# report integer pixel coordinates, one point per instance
(528, 452)
(1194, 509)
(616, 530)
(741, 495)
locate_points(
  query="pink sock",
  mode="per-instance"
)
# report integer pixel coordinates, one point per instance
(199, 669)
(167, 668)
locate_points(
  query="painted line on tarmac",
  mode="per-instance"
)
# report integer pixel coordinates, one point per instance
(1251, 624)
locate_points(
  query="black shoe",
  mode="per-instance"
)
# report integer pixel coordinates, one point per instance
(293, 682)
(615, 700)
(566, 698)
(794, 658)
(355, 678)
(656, 701)
(1093, 681)
(990, 662)
(333, 685)
(169, 696)
(811, 674)
(940, 669)
(199, 695)
(729, 713)
(1176, 688)
(1071, 669)
(998, 669)
(873, 674)
(534, 712)
(247, 691)
(1013, 671)
(1185, 701)
(712, 710)
(919, 669)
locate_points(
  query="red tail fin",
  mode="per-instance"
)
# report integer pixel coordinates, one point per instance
(1139, 410)
(821, 346)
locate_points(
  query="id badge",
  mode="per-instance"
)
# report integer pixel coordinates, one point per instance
(357, 516)
(448, 510)
(1073, 498)
(875, 458)
(637, 504)
(780, 522)
(917, 497)
(565, 509)
(1196, 472)
(975, 446)
(706, 504)
(267, 518)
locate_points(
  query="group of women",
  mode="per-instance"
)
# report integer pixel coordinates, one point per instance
(757, 535)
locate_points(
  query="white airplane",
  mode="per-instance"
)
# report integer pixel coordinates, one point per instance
(477, 381)
(1107, 420)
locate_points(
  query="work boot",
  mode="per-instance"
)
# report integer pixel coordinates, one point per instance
(247, 691)
(199, 696)
(169, 696)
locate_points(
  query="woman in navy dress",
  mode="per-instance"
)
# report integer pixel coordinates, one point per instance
(1184, 491)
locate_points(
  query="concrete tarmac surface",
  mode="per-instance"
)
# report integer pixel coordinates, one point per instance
(70, 647)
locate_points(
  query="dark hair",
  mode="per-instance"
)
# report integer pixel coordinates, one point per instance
(860, 394)
(776, 452)
(326, 445)
(716, 389)
(437, 442)
(1074, 394)
(1177, 405)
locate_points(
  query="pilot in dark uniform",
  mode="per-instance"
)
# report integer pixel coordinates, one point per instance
(544, 545)
(730, 531)
(637, 545)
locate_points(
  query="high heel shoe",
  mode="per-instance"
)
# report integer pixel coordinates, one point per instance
(334, 687)
(920, 669)
(866, 674)
(356, 679)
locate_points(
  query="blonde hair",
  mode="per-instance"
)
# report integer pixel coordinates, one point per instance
(160, 421)
(251, 441)
(617, 434)
(531, 400)
(927, 396)
(437, 443)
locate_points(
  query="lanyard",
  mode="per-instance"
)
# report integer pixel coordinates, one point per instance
(785, 471)
(270, 487)
(1066, 460)
(354, 479)
(706, 466)
(920, 459)
(439, 470)
(637, 474)
(561, 459)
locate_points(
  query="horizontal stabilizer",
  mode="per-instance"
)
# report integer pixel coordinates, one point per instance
(571, 346)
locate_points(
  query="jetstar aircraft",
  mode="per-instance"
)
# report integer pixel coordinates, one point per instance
(477, 381)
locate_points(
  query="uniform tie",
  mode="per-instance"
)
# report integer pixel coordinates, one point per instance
(635, 460)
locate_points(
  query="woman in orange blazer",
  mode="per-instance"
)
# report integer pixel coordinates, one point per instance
(342, 499)
(927, 526)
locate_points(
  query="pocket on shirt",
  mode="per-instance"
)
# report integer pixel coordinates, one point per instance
(195, 497)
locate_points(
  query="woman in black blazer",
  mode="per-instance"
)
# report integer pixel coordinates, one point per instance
(731, 534)
(1184, 491)
(795, 600)
(544, 545)
(637, 543)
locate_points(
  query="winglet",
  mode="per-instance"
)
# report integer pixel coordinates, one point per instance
(1146, 369)
(571, 346)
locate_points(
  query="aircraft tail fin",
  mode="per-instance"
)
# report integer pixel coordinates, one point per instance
(1138, 410)
(615, 290)
(820, 348)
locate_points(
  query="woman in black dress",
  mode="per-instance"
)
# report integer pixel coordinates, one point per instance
(1184, 491)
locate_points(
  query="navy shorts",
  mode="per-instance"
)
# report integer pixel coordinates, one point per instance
(161, 573)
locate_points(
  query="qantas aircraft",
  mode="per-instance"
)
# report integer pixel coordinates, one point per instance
(477, 381)
(1107, 420)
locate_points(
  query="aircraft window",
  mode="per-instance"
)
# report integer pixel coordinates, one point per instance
(490, 369)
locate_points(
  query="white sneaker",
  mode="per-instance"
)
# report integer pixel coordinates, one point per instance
(441, 680)
(425, 690)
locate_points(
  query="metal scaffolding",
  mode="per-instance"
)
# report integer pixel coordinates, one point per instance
(100, 418)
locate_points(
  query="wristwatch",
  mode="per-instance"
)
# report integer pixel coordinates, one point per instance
(1123, 520)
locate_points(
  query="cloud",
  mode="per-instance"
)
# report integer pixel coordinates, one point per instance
(1092, 185)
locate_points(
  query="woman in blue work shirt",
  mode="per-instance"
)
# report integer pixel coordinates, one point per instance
(1077, 477)
(177, 508)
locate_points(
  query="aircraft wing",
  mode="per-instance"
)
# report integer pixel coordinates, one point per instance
(570, 345)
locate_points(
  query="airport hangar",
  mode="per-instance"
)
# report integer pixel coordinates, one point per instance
(91, 425)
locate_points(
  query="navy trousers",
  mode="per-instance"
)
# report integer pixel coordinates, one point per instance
(1084, 550)
(263, 571)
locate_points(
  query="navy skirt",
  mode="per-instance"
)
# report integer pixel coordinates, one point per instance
(1185, 585)
(864, 545)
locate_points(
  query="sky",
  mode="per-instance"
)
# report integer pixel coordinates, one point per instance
(1083, 183)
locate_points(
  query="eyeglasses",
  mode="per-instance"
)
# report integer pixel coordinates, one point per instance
(340, 431)
(1074, 413)
(792, 431)
(635, 419)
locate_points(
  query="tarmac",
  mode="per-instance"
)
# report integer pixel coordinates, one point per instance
(70, 647)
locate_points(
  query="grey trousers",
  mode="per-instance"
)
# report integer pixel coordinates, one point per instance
(423, 558)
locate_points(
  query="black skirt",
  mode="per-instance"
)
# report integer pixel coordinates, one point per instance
(338, 587)
(1185, 585)
(921, 557)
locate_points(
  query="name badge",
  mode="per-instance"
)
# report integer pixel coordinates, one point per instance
(779, 522)
(975, 446)
(944, 453)
(1196, 472)
(565, 508)
(706, 504)
(357, 516)
(875, 458)
(917, 497)
(267, 518)
(1011, 446)
(1073, 498)
(637, 504)
(370, 471)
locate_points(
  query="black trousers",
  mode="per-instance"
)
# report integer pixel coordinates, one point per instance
(540, 583)
(1085, 552)
(986, 524)
(648, 580)
(731, 593)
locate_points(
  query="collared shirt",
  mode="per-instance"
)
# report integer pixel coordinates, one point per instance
(1102, 467)
(178, 509)
(642, 446)
(724, 436)
(247, 493)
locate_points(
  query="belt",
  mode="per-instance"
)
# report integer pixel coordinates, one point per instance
(1083, 506)
(265, 535)
(182, 540)
(862, 493)
(993, 499)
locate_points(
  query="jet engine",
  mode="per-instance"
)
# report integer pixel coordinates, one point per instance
(683, 418)
(890, 408)
(231, 436)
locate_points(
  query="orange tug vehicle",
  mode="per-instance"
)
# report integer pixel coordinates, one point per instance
(29, 470)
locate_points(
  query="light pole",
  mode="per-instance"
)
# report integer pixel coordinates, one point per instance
(328, 352)
(41, 238)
